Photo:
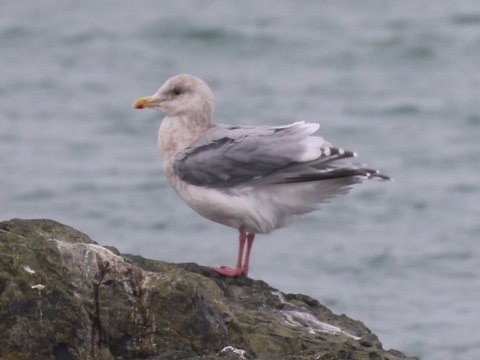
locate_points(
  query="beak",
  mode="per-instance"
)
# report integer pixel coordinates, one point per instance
(147, 102)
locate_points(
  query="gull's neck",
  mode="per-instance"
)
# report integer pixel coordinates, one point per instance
(179, 131)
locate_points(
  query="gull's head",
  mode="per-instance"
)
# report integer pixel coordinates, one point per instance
(180, 95)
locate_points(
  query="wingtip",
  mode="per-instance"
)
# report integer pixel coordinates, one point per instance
(382, 177)
(376, 174)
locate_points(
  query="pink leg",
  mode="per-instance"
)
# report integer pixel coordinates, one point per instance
(237, 271)
(250, 238)
(241, 245)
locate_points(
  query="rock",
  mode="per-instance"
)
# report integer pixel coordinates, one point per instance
(63, 296)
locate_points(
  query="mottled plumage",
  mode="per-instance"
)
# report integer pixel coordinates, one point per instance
(255, 179)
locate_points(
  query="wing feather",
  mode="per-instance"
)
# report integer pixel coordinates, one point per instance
(232, 156)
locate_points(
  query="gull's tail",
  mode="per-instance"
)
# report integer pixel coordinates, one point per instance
(337, 173)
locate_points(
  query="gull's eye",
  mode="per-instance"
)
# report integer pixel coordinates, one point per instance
(176, 91)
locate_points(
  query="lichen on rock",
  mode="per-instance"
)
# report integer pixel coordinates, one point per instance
(63, 296)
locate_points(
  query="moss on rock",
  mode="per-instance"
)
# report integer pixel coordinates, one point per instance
(63, 296)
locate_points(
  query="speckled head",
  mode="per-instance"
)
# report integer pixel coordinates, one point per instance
(182, 94)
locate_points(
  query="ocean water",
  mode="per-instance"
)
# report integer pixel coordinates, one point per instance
(398, 82)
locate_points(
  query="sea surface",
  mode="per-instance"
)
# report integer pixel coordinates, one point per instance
(396, 81)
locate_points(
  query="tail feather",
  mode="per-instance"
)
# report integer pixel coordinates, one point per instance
(336, 173)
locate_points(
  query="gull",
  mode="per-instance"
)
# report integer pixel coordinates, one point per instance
(253, 178)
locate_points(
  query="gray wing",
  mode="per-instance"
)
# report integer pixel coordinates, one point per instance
(230, 156)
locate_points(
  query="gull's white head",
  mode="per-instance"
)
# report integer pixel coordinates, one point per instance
(180, 95)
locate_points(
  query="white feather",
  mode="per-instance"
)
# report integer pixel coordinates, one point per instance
(313, 148)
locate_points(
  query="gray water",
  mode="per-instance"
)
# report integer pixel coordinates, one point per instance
(398, 82)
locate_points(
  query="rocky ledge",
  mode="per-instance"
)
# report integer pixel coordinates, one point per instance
(63, 296)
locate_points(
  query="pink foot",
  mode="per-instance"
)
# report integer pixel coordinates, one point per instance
(241, 269)
(228, 271)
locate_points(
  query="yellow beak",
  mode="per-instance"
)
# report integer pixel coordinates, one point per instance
(146, 101)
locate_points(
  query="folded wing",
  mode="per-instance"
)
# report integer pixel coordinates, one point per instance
(233, 156)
